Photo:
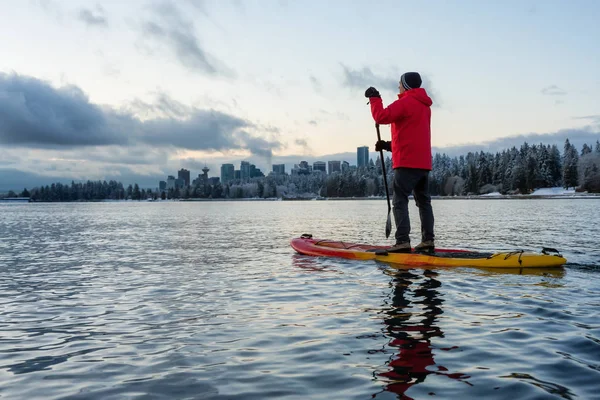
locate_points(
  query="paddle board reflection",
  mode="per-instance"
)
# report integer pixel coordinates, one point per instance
(411, 324)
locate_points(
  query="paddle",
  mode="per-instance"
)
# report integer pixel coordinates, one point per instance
(388, 223)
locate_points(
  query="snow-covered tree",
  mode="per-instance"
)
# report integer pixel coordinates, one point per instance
(589, 171)
(570, 164)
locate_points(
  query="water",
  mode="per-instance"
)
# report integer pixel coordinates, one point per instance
(206, 300)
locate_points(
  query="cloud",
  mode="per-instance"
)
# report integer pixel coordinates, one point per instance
(50, 7)
(532, 10)
(258, 145)
(553, 90)
(303, 144)
(594, 119)
(337, 115)
(8, 159)
(33, 114)
(171, 29)
(193, 164)
(365, 77)
(17, 180)
(95, 17)
(577, 137)
(313, 122)
(316, 83)
(116, 155)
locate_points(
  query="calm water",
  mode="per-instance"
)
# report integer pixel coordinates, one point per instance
(208, 301)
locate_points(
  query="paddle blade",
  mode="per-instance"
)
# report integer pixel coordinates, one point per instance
(388, 226)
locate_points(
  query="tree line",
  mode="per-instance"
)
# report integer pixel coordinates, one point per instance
(511, 171)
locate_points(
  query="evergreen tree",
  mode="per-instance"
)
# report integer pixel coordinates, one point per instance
(570, 161)
(260, 189)
(136, 195)
(585, 149)
(484, 173)
(217, 191)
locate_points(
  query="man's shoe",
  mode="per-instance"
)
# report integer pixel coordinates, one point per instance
(400, 248)
(426, 246)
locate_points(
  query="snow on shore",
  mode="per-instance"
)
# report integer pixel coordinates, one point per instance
(555, 191)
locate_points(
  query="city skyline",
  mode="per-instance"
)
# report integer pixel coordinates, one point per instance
(229, 173)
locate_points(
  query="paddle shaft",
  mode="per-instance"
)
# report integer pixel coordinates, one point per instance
(387, 193)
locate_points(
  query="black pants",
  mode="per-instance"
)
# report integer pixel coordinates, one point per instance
(415, 181)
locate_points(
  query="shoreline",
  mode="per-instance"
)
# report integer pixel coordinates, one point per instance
(587, 196)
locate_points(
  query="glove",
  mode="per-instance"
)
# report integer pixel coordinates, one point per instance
(383, 145)
(372, 92)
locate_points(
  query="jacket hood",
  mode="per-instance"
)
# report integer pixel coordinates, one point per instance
(418, 94)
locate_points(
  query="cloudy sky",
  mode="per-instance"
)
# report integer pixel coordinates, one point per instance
(135, 90)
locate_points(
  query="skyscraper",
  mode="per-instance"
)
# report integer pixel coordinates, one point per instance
(185, 175)
(170, 182)
(279, 169)
(362, 156)
(245, 170)
(320, 166)
(227, 173)
(334, 166)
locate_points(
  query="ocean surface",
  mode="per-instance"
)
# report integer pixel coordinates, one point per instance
(207, 300)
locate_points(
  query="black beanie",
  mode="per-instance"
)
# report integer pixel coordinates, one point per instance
(411, 80)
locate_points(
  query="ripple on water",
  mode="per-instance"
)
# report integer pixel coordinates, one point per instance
(208, 301)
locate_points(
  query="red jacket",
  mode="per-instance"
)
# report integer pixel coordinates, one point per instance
(410, 117)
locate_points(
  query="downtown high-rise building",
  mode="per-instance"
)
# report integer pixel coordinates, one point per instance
(184, 175)
(227, 173)
(334, 166)
(279, 169)
(362, 156)
(320, 166)
(245, 170)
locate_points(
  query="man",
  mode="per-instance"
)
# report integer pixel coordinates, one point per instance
(410, 119)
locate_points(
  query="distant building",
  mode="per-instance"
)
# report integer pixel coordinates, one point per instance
(279, 169)
(202, 178)
(302, 169)
(185, 175)
(179, 183)
(362, 156)
(237, 174)
(255, 172)
(214, 180)
(305, 167)
(334, 166)
(170, 182)
(320, 166)
(345, 166)
(245, 170)
(227, 173)
(162, 186)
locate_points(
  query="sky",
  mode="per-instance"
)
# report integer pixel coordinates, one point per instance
(136, 90)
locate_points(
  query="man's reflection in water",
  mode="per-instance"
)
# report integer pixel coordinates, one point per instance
(411, 324)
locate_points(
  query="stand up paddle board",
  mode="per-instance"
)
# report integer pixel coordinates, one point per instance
(548, 257)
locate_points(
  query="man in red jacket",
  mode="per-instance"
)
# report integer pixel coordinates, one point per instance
(410, 117)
